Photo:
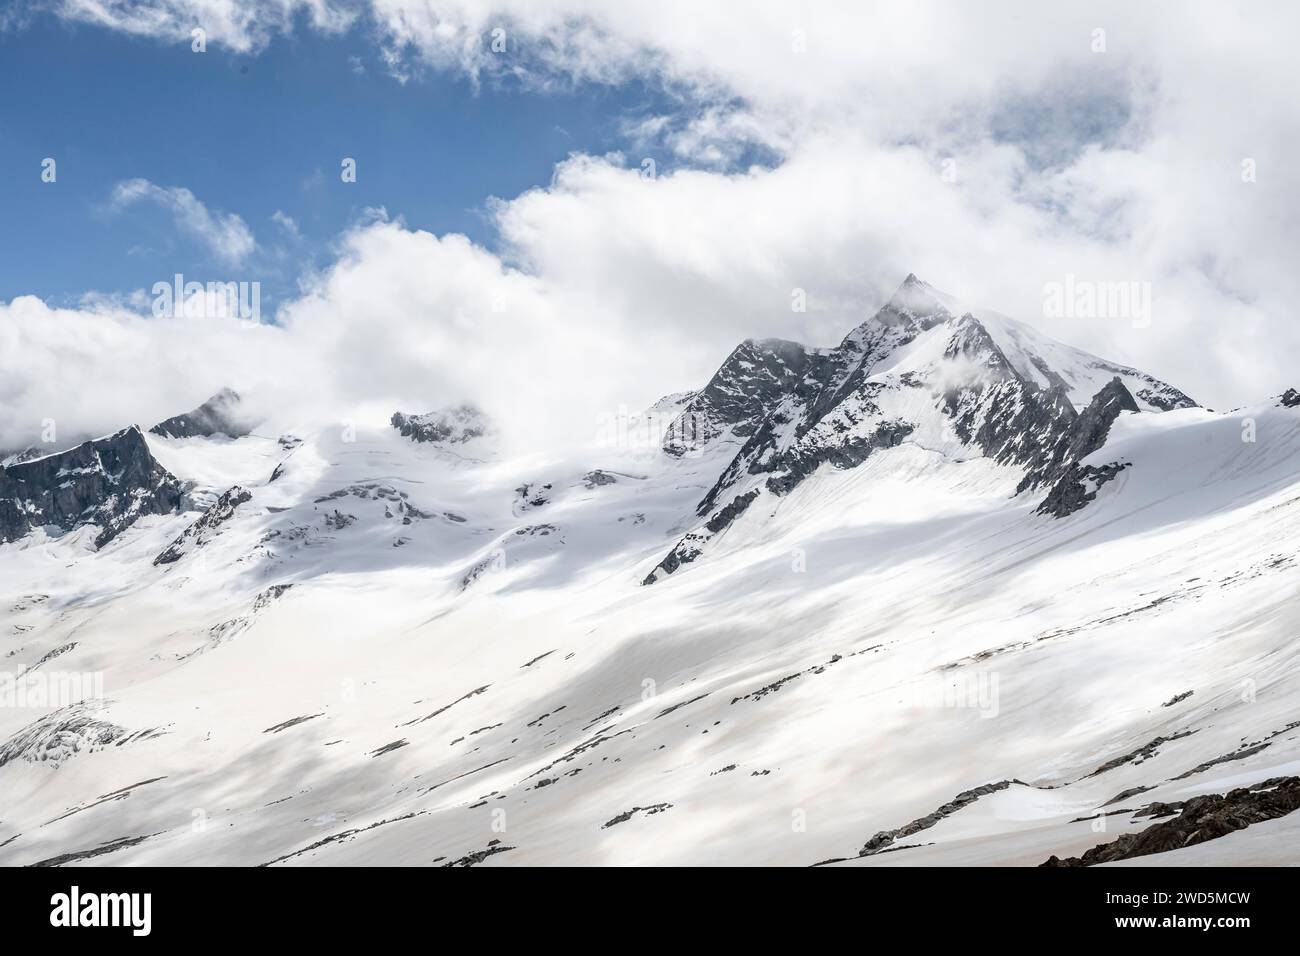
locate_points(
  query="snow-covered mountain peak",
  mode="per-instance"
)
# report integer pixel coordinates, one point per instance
(925, 369)
(1039, 359)
(917, 303)
(914, 307)
(225, 413)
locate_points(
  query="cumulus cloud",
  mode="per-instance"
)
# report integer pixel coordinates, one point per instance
(94, 369)
(402, 320)
(225, 234)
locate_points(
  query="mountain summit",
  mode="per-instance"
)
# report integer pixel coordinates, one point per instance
(222, 414)
(924, 369)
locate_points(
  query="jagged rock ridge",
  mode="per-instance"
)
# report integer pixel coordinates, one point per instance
(448, 426)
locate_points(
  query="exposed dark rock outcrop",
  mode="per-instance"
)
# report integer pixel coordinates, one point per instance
(291, 722)
(206, 527)
(397, 503)
(1084, 434)
(1290, 399)
(776, 685)
(629, 814)
(803, 462)
(448, 426)
(1078, 486)
(109, 482)
(597, 478)
(1073, 483)
(1200, 819)
(111, 846)
(532, 494)
(478, 856)
(689, 547)
(1164, 397)
(1143, 753)
(222, 414)
(885, 838)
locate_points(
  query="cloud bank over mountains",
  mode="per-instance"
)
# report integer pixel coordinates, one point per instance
(992, 150)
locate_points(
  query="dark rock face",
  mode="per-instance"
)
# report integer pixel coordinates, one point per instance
(852, 453)
(207, 526)
(449, 426)
(753, 380)
(1290, 399)
(1075, 484)
(109, 482)
(221, 414)
(1200, 819)
(1078, 486)
(1093, 427)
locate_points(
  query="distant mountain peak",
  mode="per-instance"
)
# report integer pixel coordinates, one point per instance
(222, 414)
(914, 303)
(454, 425)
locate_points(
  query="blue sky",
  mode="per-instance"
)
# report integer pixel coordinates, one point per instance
(253, 134)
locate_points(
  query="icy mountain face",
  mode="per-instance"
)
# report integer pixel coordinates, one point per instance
(985, 614)
(921, 370)
(449, 426)
(222, 414)
(109, 482)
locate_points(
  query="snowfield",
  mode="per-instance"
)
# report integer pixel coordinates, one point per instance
(424, 652)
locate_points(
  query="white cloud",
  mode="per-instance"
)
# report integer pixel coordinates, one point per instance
(97, 368)
(1122, 165)
(287, 223)
(244, 26)
(224, 234)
